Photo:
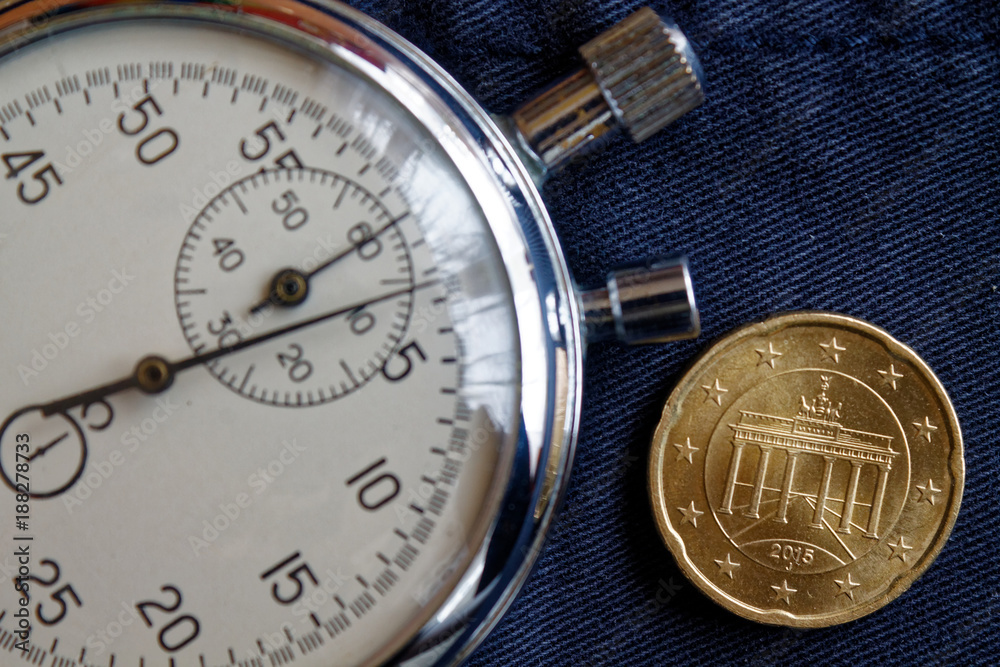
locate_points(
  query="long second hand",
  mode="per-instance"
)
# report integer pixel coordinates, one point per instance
(169, 369)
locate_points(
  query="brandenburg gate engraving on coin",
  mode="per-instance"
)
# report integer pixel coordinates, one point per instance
(815, 431)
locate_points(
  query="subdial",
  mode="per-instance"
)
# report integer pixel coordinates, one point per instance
(41, 456)
(284, 246)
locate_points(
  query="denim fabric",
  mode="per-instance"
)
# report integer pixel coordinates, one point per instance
(847, 159)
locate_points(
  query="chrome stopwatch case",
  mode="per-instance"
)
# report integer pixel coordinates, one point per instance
(291, 360)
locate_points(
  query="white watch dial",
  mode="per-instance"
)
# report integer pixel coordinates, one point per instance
(310, 495)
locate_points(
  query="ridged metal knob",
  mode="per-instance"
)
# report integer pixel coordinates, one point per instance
(640, 75)
(647, 71)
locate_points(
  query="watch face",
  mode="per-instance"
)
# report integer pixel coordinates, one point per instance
(260, 375)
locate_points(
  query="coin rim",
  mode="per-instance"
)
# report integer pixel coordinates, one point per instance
(720, 348)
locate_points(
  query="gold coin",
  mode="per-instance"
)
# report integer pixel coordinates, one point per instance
(806, 470)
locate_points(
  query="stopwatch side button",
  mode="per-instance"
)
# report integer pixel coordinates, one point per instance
(641, 75)
(650, 302)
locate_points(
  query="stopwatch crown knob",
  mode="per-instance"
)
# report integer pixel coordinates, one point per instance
(647, 72)
(640, 76)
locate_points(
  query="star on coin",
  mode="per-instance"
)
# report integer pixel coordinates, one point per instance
(890, 376)
(833, 350)
(768, 356)
(847, 586)
(689, 515)
(685, 451)
(899, 549)
(925, 429)
(727, 566)
(714, 393)
(927, 492)
(783, 592)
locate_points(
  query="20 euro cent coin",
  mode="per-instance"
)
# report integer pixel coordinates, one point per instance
(806, 470)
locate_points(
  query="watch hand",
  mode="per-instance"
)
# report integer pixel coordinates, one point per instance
(154, 374)
(289, 287)
(41, 450)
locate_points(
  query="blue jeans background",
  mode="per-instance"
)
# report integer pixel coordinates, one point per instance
(847, 159)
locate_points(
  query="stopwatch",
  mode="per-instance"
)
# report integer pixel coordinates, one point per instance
(291, 362)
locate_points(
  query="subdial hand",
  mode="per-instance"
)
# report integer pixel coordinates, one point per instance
(41, 450)
(290, 287)
(154, 374)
